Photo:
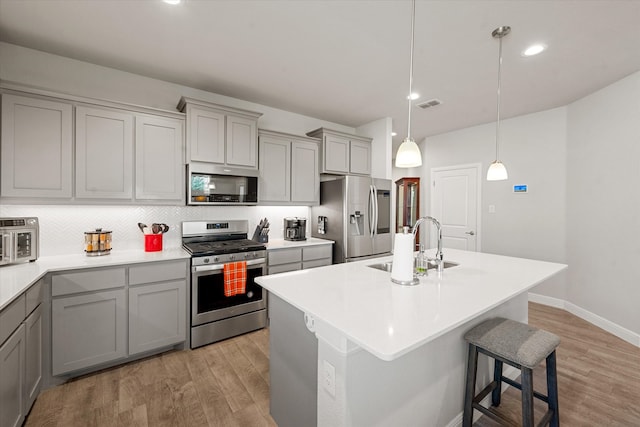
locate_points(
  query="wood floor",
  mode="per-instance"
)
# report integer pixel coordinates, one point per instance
(227, 384)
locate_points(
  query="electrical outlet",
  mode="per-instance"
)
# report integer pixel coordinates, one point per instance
(329, 378)
(492, 208)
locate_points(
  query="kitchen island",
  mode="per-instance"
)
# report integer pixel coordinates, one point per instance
(386, 354)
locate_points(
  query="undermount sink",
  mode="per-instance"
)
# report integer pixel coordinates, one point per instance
(386, 266)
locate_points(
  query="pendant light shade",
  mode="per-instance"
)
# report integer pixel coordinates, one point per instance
(408, 155)
(497, 171)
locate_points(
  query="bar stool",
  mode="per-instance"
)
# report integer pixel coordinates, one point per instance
(523, 347)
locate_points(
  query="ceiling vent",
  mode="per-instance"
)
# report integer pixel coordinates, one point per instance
(430, 103)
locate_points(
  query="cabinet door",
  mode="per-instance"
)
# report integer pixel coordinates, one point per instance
(104, 154)
(36, 148)
(205, 135)
(159, 159)
(88, 330)
(305, 177)
(336, 154)
(360, 158)
(275, 169)
(33, 357)
(157, 315)
(12, 379)
(242, 142)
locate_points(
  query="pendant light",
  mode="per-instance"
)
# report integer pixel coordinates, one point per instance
(408, 155)
(497, 171)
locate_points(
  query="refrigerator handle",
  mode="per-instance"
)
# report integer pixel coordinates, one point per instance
(375, 209)
(371, 211)
(373, 202)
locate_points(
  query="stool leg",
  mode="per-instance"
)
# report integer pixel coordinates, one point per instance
(552, 389)
(527, 397)
(470, 386)
(497, 377)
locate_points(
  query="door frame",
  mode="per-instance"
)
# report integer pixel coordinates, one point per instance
(478, 168)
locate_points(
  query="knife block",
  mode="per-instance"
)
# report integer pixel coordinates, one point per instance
(260, 238)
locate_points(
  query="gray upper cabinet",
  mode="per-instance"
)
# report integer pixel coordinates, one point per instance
(36, 148)
(288, 169)
(343, 153)
(117, 153)
(159, 159)
(220, 135)
(104, 153)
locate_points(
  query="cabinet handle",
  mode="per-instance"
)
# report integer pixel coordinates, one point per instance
(470, 233)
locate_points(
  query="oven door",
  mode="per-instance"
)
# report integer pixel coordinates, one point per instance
(208, 302)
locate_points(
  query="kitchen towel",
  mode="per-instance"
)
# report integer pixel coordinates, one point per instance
(402, 268)
(235, 278)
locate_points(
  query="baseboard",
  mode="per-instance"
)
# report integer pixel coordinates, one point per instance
(613, 328)
(509, 372)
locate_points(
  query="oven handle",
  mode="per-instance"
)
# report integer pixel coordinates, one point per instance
(216, 267)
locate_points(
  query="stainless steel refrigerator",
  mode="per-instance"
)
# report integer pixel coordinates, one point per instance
(355, 212)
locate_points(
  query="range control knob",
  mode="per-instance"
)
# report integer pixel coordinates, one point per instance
(215, 259)
(206, 260)
(247, 255)
(256, 254)
(232, 257)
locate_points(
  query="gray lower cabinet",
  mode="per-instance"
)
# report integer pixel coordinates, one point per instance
(33, 357)
(298, 258)
(88, 330)
(12, 379)
(20, 355)
(101, 316)
(157, 315)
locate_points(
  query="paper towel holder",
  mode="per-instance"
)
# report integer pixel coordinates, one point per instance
(414, 281)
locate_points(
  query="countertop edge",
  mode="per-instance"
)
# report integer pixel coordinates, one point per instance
(20, 277)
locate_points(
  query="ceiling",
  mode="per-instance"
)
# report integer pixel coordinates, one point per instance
(348, 61)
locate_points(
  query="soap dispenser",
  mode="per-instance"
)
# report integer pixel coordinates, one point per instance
(421, 262)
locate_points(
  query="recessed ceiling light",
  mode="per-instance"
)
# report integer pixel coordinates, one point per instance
(413, 95)
(394, 133)
(172, 1)
(534, 50)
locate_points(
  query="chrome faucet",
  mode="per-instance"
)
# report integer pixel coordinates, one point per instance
(439, 255)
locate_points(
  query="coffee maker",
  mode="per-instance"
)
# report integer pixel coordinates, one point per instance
(295, 229)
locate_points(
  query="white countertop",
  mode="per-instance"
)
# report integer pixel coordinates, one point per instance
(390, 320)
(284, 244)
(15, 279)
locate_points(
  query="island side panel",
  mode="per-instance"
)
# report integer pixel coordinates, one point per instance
(423, 387)
(293, 358)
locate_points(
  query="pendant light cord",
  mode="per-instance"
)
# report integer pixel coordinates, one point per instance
(498, 108)
(413, 18)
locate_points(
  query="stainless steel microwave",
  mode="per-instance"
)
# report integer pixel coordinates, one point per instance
(18, 240)
(220, 185)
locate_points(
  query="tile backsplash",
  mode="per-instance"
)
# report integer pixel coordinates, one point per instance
(62, 227)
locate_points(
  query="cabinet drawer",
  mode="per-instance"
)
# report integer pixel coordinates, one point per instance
(85, 281)
(157, 272)
(11, 317)
(282, 268)
(284, 256)
(316, 252)
(316, 263)
(34, 296)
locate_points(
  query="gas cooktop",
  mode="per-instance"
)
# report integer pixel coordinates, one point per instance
(222, 247)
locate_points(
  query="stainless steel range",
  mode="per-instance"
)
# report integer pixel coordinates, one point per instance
(214, 316)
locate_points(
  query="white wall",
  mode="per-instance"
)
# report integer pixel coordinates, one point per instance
(533, 148)
(380, 131)
(603, 206)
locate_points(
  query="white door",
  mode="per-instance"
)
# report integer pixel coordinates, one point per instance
(455, 195)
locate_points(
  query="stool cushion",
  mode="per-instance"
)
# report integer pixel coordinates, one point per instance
(514, 341)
